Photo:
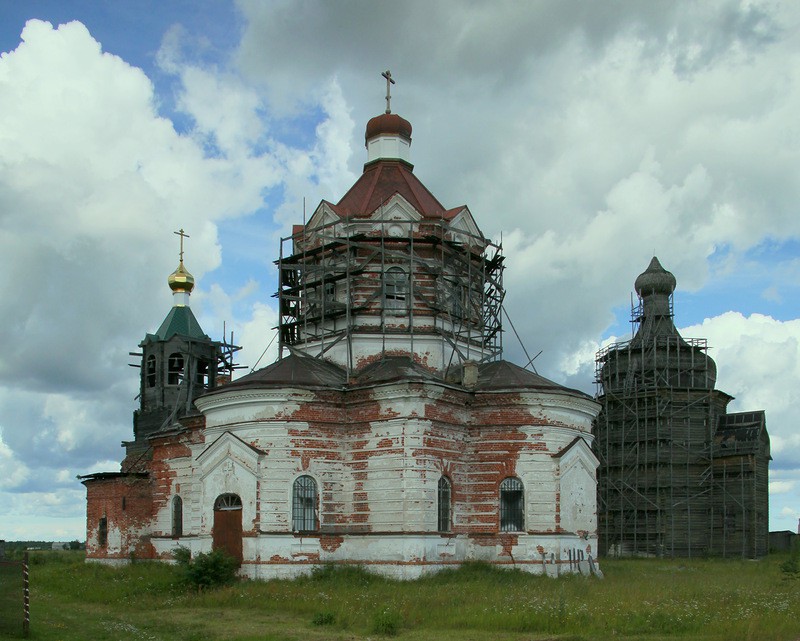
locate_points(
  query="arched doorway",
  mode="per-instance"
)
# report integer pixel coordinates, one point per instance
(227, 532)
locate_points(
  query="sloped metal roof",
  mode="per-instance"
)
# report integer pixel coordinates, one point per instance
(179, 322)
(500, 375)
(394, 368)
(380, 181)
(293, 369)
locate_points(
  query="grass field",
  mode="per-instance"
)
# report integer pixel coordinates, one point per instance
(638, 599)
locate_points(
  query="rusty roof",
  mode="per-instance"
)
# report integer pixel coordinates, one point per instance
(394, 368)
(380, 181)
(293, 369)
(501, 375)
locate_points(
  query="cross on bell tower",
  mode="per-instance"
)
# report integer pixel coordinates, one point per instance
(182, 235)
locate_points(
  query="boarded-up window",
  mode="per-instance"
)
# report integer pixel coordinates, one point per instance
(177, 516)
(102, 532)
(444, 504)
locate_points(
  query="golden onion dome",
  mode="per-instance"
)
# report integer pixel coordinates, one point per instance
(181, 280)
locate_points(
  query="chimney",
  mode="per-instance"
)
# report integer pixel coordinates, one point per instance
(469, 374)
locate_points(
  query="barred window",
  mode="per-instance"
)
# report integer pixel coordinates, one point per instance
(304, 504)
(395, 291)
(177, 516)
(512, 505)
(444, 504)
(174, 369)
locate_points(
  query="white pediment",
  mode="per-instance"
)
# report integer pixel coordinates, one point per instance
(229, 456)
(323, 216)
(577, 453)
(396, 208)
(463, 229)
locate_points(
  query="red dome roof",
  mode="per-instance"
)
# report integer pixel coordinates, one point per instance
(390, 124)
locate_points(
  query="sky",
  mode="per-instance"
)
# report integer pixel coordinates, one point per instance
(587, 136)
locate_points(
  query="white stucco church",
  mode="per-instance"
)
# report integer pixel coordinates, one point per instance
(390, 433)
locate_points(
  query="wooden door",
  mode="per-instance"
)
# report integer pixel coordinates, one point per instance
(227, 532)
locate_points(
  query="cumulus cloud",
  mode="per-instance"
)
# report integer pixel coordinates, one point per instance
(588, 136)
(758, 362)
(94, 181)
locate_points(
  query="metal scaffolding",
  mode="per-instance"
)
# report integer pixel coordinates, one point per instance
(378, 276)
(666, 484)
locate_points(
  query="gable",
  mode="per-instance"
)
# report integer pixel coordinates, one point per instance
(577, 455)
(324, 223)
(230, 452)
(464, 229)
(396, 217)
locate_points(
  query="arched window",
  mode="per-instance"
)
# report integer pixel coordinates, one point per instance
(177, 516)
(444, 504)
(512, 505)
(102, 532)
(228, 502)
(304, 504)
(201, 376)
(174, 369)
(395, 291)
(150, 371)
(329, 292)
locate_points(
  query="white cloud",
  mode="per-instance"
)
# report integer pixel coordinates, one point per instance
(93, 183)
(781, 487)
(758, 362)
(591, 136)
(14, 472)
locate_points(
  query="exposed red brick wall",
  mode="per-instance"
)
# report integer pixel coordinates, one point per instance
(126, 503)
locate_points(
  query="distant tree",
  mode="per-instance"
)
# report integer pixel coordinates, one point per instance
(791, 566)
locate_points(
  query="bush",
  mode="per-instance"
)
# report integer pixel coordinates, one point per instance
(387, 622)
(206, 570)
(791, 566)
(323, 618)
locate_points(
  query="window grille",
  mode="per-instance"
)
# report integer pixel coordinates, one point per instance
(395, 291)
(177, 516)
(174, 369)
(444, 504)
(512, 505)
(228, 502)
(304, 504)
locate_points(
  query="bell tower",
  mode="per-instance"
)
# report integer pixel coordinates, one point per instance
(179, 363)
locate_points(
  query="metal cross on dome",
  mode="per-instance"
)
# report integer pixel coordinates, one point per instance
(182, 235)
(389, 82)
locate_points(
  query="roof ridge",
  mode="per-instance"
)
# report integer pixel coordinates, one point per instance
(413, 184)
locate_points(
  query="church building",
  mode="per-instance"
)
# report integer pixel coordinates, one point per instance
(390, 432)
(679, 475)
